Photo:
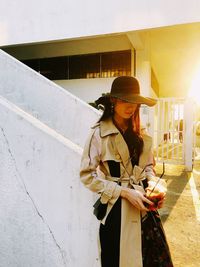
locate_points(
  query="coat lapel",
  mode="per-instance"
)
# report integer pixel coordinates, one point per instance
(108, 128)
(124, 153)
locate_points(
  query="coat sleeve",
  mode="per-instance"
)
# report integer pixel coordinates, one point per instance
(93, 180)
(149, 169)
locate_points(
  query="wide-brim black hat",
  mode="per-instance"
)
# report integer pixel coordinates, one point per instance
(127, 88)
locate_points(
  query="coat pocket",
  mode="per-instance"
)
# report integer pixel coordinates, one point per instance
(100, 209)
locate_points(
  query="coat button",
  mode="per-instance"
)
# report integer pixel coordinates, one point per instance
(117, 156)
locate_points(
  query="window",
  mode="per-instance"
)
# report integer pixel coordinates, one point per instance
(54, 68)
(86, 66)
(116, 64)
(101, 65)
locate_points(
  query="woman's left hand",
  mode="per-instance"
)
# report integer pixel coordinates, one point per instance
(158, 200)
(162, 200)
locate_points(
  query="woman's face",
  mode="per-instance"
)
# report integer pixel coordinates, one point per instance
(124, 109)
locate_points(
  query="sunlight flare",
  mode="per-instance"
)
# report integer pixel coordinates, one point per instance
(194, 91)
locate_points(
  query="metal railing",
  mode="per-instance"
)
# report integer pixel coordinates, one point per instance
(169, 130)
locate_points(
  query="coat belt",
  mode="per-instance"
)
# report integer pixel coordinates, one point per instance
(135, 179)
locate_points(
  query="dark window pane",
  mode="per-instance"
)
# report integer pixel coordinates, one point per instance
(106, 65)
(84, 66)
(116, 64)
(54, 68)
(32, 63)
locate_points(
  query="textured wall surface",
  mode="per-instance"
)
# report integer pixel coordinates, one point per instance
(46, 20)
(45, 213)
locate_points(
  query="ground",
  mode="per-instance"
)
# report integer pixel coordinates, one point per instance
(181, 214)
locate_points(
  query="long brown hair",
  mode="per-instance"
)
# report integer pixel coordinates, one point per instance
(104, 103)
(133, 134)
(136, 120)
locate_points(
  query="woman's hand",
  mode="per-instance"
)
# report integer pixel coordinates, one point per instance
(157, 199)
(136, 198)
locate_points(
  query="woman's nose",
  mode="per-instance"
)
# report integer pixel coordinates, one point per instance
(131, 106)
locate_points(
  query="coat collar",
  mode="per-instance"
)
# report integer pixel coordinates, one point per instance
(107, 127)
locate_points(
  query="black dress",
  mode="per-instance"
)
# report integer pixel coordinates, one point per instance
(155, 251)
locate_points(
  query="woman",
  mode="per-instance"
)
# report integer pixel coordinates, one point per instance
(117, 163)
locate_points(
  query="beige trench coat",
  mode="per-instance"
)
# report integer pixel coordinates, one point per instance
(105, 143)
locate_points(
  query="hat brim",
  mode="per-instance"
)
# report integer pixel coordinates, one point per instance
(138, 99)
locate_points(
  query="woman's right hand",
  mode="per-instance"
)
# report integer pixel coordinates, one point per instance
(136, 198)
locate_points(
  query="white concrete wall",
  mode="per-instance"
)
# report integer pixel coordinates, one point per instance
(87, 89)
(143, 73)
(35, 21)
(46, 214)
(37, 95)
